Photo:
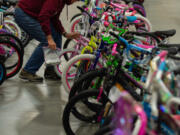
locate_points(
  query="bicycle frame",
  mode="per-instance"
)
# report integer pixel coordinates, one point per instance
(142, 48)
(158, 87)
(98, 54)
(116, 65)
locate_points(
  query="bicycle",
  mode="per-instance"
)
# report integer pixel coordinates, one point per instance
(91, 99)
(96, 57)
(11, 57)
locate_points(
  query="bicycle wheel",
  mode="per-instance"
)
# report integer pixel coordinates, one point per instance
(70, 53)
(25, 38)
(12, 27)
(76, 24)
(15, 40)
(70, 43)
(75, 16)
(77, 103)
(2, 73)
(12, 55)
(91, 79)
(71, 68)
(95, 79)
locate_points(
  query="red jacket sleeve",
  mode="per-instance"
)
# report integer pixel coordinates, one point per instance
(49, 12)
(57, 23)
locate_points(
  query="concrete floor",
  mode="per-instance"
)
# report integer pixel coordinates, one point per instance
(36, 109)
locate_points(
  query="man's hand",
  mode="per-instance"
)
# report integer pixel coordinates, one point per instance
(51, 43)
(73, 35)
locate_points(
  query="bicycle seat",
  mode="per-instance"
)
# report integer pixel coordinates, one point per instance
(167, 33)
(169, 45)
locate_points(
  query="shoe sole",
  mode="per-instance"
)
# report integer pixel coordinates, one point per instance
(50, 77)
(27, 79)
(53, 80)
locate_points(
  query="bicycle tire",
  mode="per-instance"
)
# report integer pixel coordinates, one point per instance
(66, 43)
(86, 81)
(20, 58)
(25, 39)
(69, 64)
(2, 73)
(65, 46)
(4, 32)
(69, 107)
(75, 16)
(89, 76)
(73, 20)
(16, 40)
(61, 54)
(77, 86)
(76, 24)
(75, 43)
(10, 22)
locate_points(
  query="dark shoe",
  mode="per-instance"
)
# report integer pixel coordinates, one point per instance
(50, 74)
(30, 77)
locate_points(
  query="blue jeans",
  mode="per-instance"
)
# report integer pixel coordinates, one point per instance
(33, 28)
